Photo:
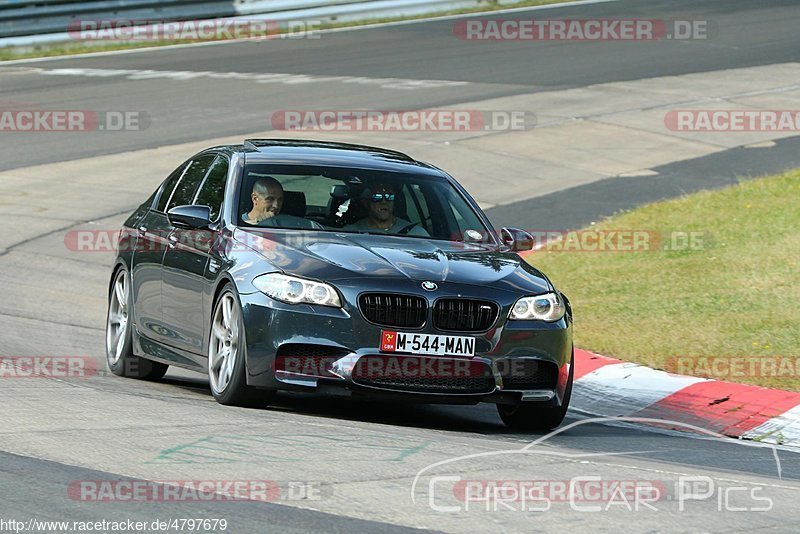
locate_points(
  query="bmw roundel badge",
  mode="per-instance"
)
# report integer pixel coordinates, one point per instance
(429, 286)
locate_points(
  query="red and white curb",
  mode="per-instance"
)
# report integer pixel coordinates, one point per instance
(608, 387)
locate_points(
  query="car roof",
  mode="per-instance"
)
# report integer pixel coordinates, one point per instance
(332, 154)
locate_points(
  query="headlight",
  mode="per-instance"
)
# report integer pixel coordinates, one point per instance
(548, 307)
(297, 290)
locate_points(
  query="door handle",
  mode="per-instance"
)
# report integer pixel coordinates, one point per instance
(142, 231)
(173, 239)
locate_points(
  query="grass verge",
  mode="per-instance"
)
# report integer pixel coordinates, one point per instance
(67, 48)
(728, 308)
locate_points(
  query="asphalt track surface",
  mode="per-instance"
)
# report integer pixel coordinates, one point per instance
(747, 34)
(579, 206)
(750, 34)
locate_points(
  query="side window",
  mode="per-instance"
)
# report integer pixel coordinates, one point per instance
(169, 186)
(212, 190)
(188, 183)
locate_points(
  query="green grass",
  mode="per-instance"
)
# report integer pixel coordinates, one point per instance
(737, 296)
(65, 48)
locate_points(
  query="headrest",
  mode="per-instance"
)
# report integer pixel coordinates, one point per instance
(294, 203)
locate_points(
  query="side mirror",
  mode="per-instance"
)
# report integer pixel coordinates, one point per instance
(191, 217)
(516, 239)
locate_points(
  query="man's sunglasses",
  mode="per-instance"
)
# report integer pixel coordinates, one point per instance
(388, 197)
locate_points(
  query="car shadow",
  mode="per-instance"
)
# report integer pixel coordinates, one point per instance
(482, 419)
(476, 419)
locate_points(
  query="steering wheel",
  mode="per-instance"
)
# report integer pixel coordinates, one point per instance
(404, 230)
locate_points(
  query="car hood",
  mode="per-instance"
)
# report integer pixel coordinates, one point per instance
(340, 256)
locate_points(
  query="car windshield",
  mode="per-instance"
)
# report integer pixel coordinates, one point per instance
(356, 200)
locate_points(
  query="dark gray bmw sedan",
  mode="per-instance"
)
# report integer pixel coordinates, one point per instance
(336, 268)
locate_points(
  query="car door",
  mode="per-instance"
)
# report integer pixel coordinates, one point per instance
(187, 256)
(151, 243)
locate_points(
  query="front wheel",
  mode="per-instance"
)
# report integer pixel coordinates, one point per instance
(526, 417)
(226, 356)
(119, 334)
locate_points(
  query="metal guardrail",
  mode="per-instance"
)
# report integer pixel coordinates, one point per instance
(55, 15)
(25, 22)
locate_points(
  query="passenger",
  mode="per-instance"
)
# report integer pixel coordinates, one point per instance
(380, 214)
(267, 197)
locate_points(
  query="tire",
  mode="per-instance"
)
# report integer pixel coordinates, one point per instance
(226, 355)
(119, 334)
(522, 417)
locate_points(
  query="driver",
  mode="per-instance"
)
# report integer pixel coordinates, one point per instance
(380, 214)
(267, 197)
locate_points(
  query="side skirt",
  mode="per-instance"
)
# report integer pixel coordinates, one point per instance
(153, 350)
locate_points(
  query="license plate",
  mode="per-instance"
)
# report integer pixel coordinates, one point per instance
(432, 344)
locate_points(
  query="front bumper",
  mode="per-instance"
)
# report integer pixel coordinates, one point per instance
(350, 339)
